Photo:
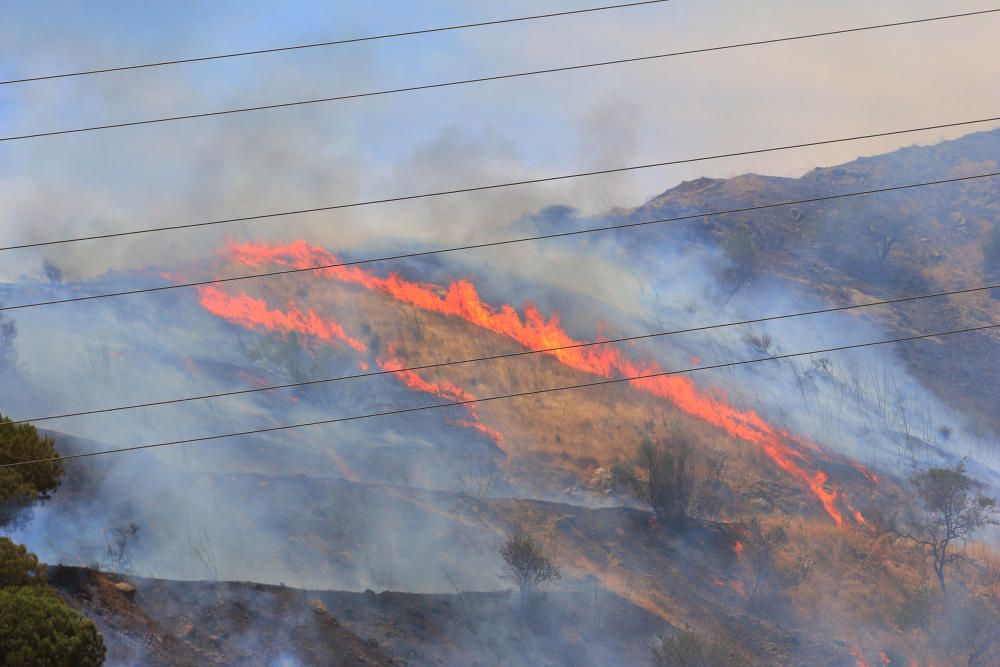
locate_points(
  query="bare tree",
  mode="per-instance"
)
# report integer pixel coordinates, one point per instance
(118, 551)
(952, 508)
(526, 565)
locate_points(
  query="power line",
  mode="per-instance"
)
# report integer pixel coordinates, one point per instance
(496, 186)
(337, 42)
(484, 79)
(533, 392)
(490, 244)
(508, 355)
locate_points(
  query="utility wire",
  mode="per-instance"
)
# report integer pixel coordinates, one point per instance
(496, 186)
(491, 244)
(533, 392)
(337, 42)
(508, 355)
(484, 79)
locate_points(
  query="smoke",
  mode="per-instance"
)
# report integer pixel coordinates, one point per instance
(381, 503)
(222, 509)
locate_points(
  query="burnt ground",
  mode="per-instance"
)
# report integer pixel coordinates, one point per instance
(160, 622)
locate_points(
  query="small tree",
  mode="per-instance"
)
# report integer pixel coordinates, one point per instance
(668, 487)
(526, 565)
(22, 486)
(952, 508)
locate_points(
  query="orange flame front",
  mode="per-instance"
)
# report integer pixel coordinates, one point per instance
(444, 390)
(460, 299)
(254, 314)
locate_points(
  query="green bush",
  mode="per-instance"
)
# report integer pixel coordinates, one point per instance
(18, 566)
(38, 629)
(21, 486)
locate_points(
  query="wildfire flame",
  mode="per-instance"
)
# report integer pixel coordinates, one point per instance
(859, 658)
(460, 299)
(253, 313)
(444, 390)
(869, 475)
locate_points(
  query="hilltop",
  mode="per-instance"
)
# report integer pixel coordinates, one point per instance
(880, 246)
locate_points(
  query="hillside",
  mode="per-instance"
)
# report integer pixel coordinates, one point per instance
(795, 469)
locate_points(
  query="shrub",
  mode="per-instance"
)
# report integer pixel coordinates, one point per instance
(741, 246)
(38, 629)
(22, 486)
(8, 342)
(18, 566)
(669, 484)
(915, 611)
(688, 649)
(991, 250)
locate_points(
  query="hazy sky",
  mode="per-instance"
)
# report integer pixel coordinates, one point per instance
(681, 107)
